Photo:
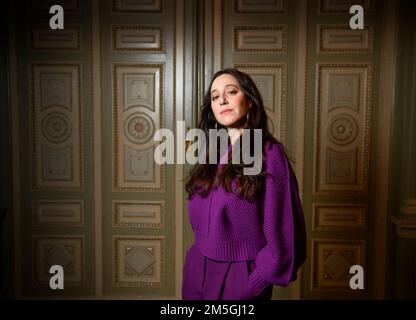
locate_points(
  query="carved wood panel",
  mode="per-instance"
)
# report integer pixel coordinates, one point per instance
(57, 134)
(342, 137)
(138, 113)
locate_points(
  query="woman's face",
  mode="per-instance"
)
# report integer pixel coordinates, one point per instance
(228, 101)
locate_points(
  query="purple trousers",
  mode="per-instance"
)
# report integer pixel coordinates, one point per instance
(206, 279)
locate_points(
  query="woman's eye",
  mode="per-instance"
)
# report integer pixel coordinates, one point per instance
(232, 92)
(214, 98)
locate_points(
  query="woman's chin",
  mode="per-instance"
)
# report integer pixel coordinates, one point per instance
(226, 123)
(233, 123)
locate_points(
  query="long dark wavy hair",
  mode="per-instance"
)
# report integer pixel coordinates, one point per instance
(203, 177)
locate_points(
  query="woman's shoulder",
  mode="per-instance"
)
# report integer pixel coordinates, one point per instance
(275, 158)
(274, 148)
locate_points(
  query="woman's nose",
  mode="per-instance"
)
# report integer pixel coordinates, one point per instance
(223, 100)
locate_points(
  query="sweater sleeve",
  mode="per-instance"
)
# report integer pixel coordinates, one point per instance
(283, 225)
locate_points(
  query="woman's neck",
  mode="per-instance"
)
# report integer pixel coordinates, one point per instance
(234, 134)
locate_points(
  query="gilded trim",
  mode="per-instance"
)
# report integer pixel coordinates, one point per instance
(282, 11)
(117, 27)
(158, 8)
(323, 27)
(238, 28)
(117, 255)
(75, 27)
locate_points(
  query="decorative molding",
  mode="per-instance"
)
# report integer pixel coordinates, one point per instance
(66, 251)
(139, 128)
(46, 39)
(339, 38)
(405, 225)
(140, 38)
(137, 6)
(343, 6)
(332, 259)
(218, 35)
(42, 6)
(139, 214)
(260, 39)
(57, 164)
(404, 221)
(56, 126)
(213, 40)
(342, 135)
(299, 104)
(139, 90)
(260, 7)
(97, 145)
(56, 89)
(381, 186)
(58, 213)
(409, 207)
(337, 217)
(271, 79)
(183, 104)
(138, 108)
(139, 165)
(139, 261)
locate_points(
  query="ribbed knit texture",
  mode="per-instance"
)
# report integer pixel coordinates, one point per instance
(270, 230)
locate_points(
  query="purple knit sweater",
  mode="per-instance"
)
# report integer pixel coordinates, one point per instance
(270, 230)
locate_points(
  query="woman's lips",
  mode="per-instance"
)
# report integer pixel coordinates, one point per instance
(226, 111)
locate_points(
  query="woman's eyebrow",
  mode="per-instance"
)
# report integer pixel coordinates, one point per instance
(228, 85)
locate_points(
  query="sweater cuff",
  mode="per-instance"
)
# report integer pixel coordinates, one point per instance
(256, 283)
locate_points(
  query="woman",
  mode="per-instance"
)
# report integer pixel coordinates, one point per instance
(249, 229)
